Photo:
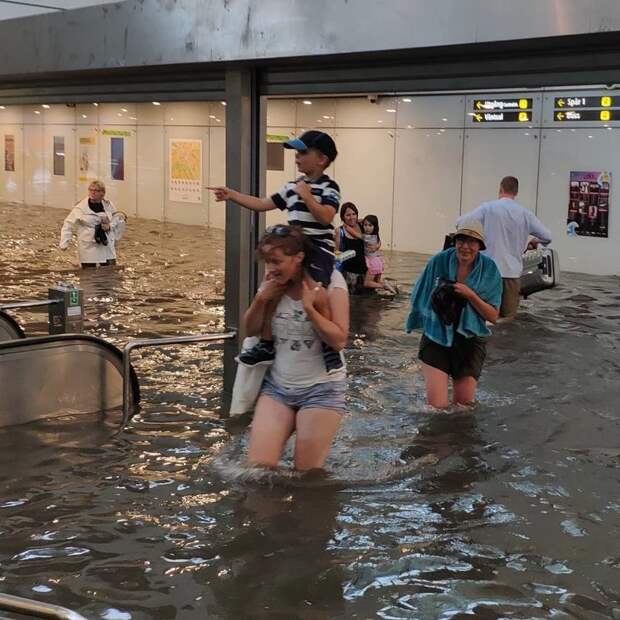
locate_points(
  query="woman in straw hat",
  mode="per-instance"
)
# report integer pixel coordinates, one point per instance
(459, 291)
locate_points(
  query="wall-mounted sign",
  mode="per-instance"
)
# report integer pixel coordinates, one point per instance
(277, 137)
(503, 104)
(501, 117)
(121, 133)
(586, 102)
(564, 116)
(588, 204)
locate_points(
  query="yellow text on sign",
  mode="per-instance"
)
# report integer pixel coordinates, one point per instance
(523, 117)
(605, 115)
(523, 104)
(605, 102)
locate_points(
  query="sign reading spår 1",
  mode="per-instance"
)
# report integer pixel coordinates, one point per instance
(605, 101)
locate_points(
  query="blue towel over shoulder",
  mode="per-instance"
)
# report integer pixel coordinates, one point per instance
(484, 279)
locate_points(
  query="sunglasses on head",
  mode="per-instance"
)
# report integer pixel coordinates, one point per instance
(279, 230)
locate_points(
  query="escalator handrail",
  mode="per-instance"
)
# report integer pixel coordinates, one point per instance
(14, 324)
(36, 609)
(158, 342)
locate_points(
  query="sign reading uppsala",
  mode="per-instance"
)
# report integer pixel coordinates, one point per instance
(588, 204)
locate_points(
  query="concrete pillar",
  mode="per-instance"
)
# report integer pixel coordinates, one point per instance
(245, 172)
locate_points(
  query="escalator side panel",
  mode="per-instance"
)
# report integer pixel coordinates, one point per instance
(59, 375)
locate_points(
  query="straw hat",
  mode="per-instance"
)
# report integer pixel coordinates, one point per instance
(472, 228)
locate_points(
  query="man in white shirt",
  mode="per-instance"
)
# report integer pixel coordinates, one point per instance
(507, 228)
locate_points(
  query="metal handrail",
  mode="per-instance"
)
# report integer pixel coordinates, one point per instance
(29, 303)
(37, 609)
(158, 342)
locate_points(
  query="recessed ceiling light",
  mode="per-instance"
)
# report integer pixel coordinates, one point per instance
(307, 102)
(445, 120)
(45, 106)
(95, 104)
(84, 116)
(156, 103)
(391, 110)
(407, 100)
(123, 109)
(37, 111)
(211, 115)
(223, 102)
(2, 107)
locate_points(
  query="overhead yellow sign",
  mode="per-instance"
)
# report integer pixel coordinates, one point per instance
(501, 117)
(503, 104)
(606, 101)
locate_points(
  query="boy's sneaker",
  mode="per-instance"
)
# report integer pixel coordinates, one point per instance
(333, 360)
(261, 354)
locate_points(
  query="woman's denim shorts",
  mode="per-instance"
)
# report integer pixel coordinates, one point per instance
(328, 395)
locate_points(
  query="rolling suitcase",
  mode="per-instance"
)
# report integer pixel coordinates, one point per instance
(541, 270)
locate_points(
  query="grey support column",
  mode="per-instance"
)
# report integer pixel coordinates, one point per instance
(245, 172)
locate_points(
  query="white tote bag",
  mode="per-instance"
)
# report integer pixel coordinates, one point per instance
(248, 381)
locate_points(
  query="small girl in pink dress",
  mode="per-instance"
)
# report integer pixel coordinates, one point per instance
(374, 259)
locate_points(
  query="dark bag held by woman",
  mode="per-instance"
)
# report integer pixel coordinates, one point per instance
(446, 303)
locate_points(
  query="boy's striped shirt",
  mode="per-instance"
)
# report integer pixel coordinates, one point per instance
(326, 192)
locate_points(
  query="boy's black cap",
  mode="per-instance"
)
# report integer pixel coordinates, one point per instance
(314, 140)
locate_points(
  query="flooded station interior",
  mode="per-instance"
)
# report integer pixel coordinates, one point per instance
(509, 509)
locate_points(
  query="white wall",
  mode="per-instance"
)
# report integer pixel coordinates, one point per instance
(416, 162)
(145, 129)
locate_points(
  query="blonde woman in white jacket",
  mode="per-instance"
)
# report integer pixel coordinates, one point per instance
(99, 227)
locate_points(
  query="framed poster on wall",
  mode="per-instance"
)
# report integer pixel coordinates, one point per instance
(275, 151)
(185, 170)
(59, 156)
(117, 159)
(88, 158)
(588, 204)
(9, 153)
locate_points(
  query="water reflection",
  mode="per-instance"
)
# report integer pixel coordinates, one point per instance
(509, 510)
(283, 559)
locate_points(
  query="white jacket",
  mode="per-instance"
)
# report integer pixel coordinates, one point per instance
(89, 251)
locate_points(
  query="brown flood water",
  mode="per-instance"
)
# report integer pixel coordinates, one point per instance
(510, 511)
